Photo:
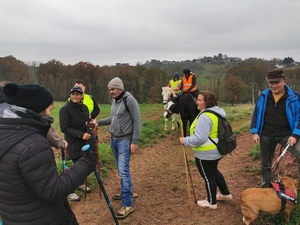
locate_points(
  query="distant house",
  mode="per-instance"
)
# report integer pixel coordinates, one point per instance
(122, 64)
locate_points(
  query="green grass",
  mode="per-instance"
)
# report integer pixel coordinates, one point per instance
(255, 152)
(152, 126)
(151, 132)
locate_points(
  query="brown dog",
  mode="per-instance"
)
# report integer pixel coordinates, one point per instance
(265, 200)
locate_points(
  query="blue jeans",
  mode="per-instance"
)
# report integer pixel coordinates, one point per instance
(121, 152)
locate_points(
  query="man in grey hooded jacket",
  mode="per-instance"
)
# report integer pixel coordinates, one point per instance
(125, 128)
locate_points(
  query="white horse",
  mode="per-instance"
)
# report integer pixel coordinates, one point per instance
(167, 94)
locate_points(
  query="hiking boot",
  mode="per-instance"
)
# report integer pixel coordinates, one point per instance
(118, 196)
(221, 197)
(205, 204)
(124, 212)
(73, 197)
(82, 188)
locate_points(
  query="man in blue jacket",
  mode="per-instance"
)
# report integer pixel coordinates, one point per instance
(276, 119)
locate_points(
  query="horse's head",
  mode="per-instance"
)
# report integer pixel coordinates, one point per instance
(170, 109)
(167, 93)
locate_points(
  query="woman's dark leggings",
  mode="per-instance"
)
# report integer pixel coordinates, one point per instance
(213, 178)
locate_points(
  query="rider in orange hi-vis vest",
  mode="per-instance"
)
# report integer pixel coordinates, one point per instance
(188, 84)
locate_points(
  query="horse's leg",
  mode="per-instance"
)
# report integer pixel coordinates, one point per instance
(178, 119)
(184, 122)
(173, 121)
(166, 119)
(166, 124)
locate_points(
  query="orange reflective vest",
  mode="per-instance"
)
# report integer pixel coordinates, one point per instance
(187, 83)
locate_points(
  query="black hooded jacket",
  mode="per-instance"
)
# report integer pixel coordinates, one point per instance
(72, 119)
(31, 191)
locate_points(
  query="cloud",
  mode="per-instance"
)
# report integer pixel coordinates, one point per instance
(107, 32)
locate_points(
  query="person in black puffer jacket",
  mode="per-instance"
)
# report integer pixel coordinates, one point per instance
(31, 191)
(74, 118)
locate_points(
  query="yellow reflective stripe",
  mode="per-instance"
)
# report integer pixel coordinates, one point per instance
(187, 83)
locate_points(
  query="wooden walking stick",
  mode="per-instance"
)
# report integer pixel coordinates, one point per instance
(187, 171)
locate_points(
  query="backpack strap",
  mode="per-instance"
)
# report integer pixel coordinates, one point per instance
(125, 102)
(216, 114)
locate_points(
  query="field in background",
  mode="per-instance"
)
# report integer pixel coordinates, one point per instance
(152, 128)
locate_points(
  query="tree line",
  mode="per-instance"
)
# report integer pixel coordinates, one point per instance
(233, 83)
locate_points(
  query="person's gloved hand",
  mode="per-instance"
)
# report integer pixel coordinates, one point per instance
(90, 154)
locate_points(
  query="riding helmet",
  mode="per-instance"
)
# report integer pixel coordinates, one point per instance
(186, 71)
(176, 75)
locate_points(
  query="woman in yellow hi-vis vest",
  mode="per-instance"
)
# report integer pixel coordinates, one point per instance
(206, 153)
(175, 83)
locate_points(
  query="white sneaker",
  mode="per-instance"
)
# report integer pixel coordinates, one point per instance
(82, 188)
(73, 197)
(205, 204)
(221, 197)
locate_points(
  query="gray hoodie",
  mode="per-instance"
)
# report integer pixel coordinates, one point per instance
(125, 122)
(202, 131)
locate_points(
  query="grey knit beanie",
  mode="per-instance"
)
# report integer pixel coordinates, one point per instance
(116, 83)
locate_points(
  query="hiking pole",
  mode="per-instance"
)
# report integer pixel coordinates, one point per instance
(97, 154)
(190, 175)
(187, 171)
(85, 148)
(275, 164)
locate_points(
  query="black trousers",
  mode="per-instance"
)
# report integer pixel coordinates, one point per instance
(213, 178)
(267, 149)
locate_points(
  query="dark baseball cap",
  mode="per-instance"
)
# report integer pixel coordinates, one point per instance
(275, 75)
(77, 89)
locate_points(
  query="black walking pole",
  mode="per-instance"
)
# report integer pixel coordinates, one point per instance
(85, 148)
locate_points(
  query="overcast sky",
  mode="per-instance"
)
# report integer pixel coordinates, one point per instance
(105, 32)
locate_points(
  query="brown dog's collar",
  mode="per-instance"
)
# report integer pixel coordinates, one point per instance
(284, 193)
